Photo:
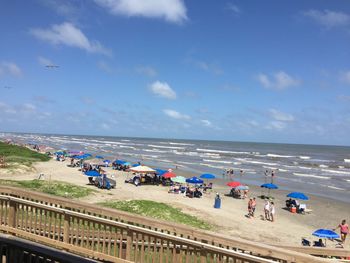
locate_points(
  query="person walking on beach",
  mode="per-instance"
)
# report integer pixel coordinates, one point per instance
(267, 209)
(250, 203)
(253, 206)
(344, 230)
(272, 212)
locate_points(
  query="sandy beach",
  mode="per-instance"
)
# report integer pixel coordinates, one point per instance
(230, 219)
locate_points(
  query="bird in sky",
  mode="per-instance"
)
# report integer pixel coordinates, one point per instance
(52, 66)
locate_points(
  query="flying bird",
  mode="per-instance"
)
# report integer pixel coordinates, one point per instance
(52, 66)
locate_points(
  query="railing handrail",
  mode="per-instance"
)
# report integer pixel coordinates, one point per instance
(135, 228)
(261, 249)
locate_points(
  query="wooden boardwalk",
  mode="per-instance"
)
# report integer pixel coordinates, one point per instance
(114, 236)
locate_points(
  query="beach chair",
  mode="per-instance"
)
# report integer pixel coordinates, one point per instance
(305, 242)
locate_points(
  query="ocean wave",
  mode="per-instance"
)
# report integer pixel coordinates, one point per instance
(304, 157)
(304, 168)
(262, 163)
(311, 176)
(154, 151)
(335, 172)
(177, 143)
(220, 151)
(336, 188)
(275, 168)
(216, 161)
(347, 160)
(279, 156)
(166, 147)
(323, 166)
(213, 166)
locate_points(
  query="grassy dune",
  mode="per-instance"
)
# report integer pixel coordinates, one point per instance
(157, 210)
(17, 155)
(51, 187)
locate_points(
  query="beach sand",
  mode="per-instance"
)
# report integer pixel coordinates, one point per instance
(229, 220)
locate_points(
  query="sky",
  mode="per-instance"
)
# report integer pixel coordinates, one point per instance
(261, 71)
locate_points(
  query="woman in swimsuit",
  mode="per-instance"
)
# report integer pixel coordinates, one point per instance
(344, 230)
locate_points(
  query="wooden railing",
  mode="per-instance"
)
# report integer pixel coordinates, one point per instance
(109, 235)
(17, 250)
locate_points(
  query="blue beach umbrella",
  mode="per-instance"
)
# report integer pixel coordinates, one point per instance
(135, 165)
(99, 157)
(298, 195)
(269, 186)
(106, 161)
(194, 180)
(120, 162)
(325, 233)
(92, 173)
(208, 176)
(160, 172)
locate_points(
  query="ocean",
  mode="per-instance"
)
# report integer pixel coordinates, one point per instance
(313, 169)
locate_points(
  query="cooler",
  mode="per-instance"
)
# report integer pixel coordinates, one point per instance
(293, 209)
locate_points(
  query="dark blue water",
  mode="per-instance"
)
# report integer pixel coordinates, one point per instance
(314, 169)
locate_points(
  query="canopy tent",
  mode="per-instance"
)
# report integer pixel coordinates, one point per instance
(142, 169)
(298, 195)
(179, 179)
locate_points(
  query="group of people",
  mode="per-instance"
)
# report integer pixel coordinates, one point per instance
(269, 211)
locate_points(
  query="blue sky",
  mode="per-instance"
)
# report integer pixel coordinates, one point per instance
(268, 71)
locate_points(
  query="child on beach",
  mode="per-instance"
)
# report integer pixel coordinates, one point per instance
(253, 206)
(250, 203)
(344, 230)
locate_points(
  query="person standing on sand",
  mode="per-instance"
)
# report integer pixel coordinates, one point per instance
(250, 203)
(267, 209)
(253, 206)
(344, 230)
(272, 212)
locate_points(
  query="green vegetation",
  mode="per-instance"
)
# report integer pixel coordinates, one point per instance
(157, 210)
(20, 155)
(51, 187)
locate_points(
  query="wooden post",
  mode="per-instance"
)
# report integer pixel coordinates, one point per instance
(12, 213)
(128, 244)
(66, 227)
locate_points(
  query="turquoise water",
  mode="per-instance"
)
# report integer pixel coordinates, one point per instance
(313, 169)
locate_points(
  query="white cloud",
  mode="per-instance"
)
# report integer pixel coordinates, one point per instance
(69, 35)
(235, 9)
(29, 107)
(4, 108)
(162, 89)
(146, 70)
(10, 68)
(345, 77)
(44, 61)
(171, 10)
(276, 125)
(280, 116)
(206, 123)
(278, 81)
(176, 115)
(328, 18)
(105, 126)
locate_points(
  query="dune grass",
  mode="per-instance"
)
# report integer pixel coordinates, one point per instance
(56, 188)
(20, 155)
(157, 210)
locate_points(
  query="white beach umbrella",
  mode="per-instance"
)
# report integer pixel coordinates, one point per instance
(142, 169)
